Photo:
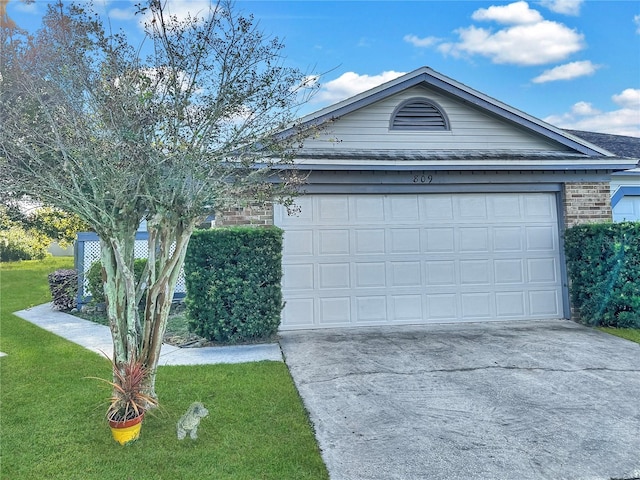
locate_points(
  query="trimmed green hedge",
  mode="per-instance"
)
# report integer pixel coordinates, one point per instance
(603, 262)
(233, 283)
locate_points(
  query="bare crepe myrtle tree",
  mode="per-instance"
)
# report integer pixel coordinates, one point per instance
(167, 132)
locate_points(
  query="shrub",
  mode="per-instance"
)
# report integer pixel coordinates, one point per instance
(63, 285)
(233, 283)
(58, 225)
(603, 262)
(94, 278)
(16, 243)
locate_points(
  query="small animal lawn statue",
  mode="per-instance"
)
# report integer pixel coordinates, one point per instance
(189, 422)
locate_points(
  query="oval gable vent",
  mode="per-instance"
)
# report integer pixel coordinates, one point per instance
(419, 114)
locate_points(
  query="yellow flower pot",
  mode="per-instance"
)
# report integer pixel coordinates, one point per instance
(126, 431)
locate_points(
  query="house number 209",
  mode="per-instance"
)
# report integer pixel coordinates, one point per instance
(422, 178)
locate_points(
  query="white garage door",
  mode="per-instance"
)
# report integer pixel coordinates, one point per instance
(398, 259)
(627, 209)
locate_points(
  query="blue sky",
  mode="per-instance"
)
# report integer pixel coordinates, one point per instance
(573, 63)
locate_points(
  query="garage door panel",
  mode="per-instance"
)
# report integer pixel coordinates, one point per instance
(542, 270)
(405, 308)
(331, 209)
(333, 242)
(440, 272)
(369, 241)
(437, 207)
(541, 238)
(335, 310)
(333, 275)
(370, 264)
(442, 307)
(475, 272)
(627, 209)
(510, 304)
(507, 239)
(371, 309)
(298, 276)
(404, 240)
(403, 208)
(302, 216)
(472, 208)
(507, 208)
(368, 209)
(509, 271)
(440, 240)
(405, 274)
(476, 306)
(544, 303)
(474, 239)
(370, 274)
(299, 313)
(298, 243)
(539, 207)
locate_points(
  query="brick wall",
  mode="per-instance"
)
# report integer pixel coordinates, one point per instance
(249, 215)
(586, 202)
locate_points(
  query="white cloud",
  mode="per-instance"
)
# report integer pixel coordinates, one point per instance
(622, 121)
(26, 7)
(584, 108)
(421, 42)
(349, 84)
(122, 13)
(530, 44)
(636, 20)
(181, 10)
(629, 98)
(565, 7)
(517, 13)
(568, 71)
(524, 37)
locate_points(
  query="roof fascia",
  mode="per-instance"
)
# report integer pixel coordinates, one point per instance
(583, 165)
(474, 167)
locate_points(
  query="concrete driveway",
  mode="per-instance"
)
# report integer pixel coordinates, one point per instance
(507, 400)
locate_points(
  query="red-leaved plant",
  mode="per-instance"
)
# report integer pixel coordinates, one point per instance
(129, 398)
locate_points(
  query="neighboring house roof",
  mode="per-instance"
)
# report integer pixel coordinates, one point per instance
(620, 145)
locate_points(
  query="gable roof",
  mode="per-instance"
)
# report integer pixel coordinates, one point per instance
(429, 77)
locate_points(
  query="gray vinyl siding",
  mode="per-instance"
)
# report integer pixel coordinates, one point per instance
(618, 181)
(471, 129)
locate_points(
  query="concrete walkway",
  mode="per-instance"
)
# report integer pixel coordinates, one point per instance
(97, 338)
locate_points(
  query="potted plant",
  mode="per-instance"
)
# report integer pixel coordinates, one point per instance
(129, 400)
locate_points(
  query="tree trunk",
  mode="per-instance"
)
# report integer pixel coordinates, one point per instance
(117, 256)
(132, 339)
(167, 248)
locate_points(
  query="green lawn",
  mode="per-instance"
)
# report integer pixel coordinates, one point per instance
(53, 422)
(632, 334)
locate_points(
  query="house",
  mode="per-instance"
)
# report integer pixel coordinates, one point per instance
(428, 201)
(625, 185)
